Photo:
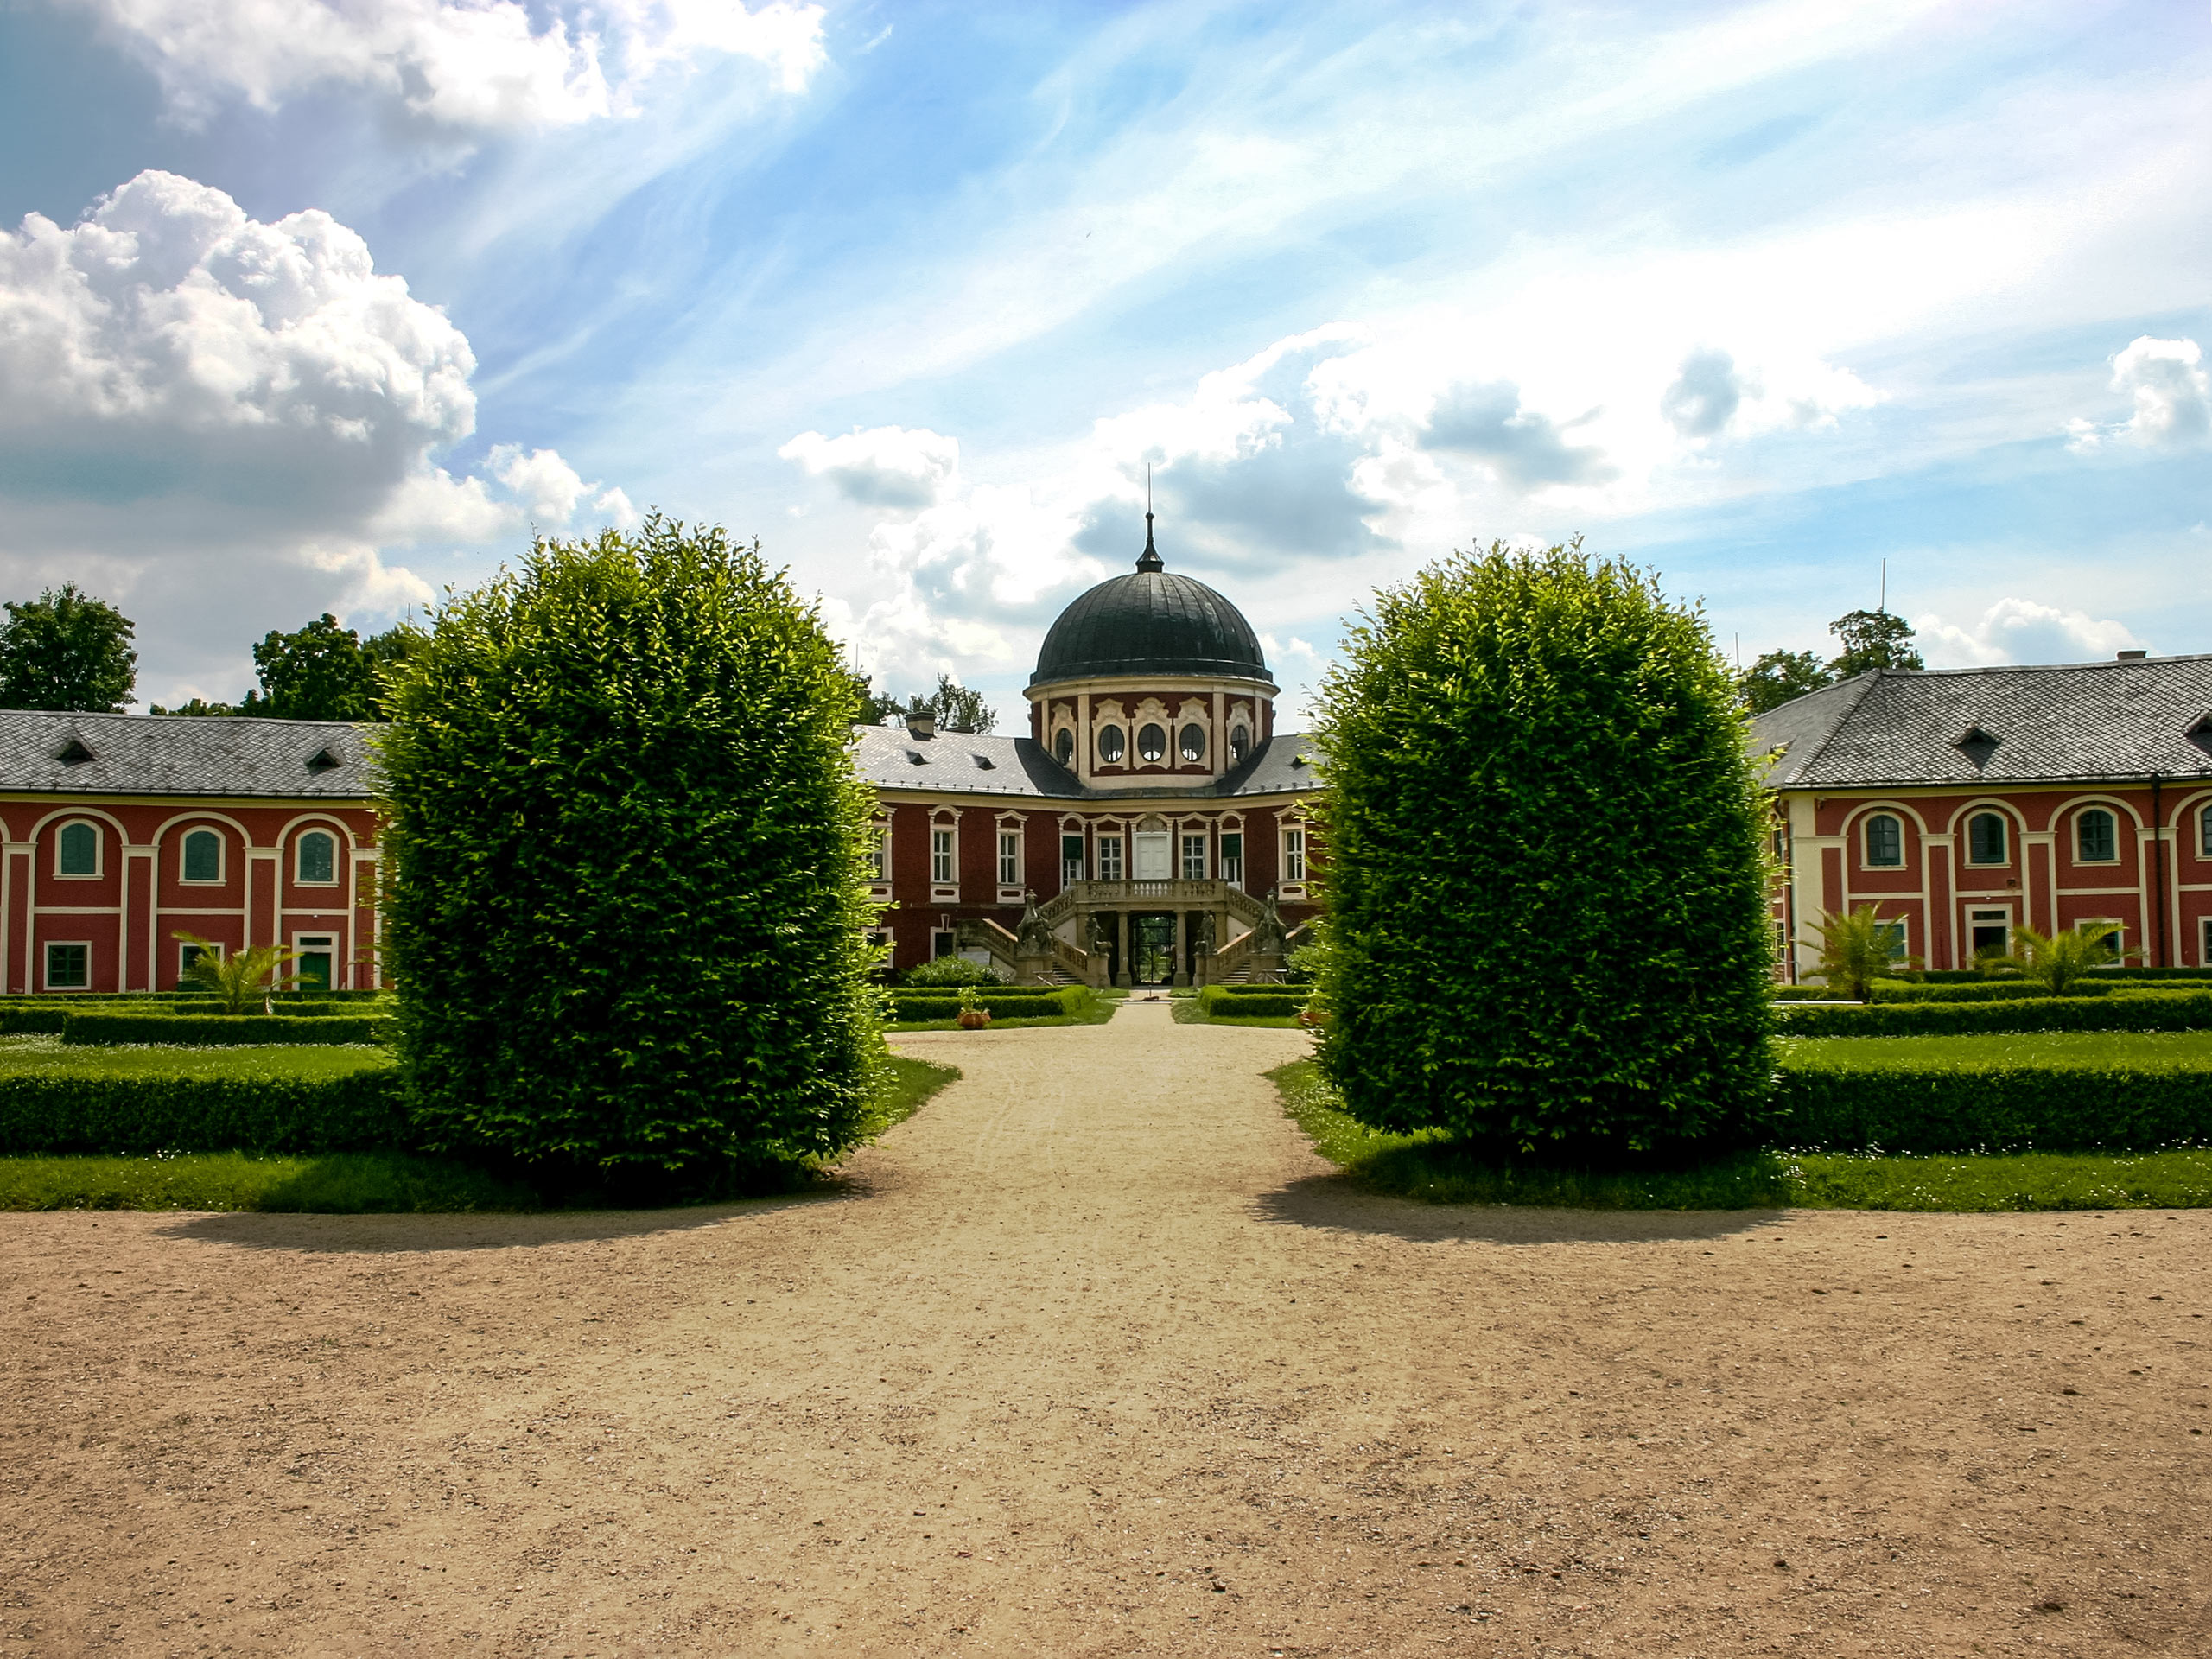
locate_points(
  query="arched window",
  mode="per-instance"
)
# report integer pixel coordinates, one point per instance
(1109, 745)
(1984, 839)
(1240, 745)
(2205, 831)
(2096, 837)
(1885, 841)
(203, 856)
(1152, 743)
(1194, 742)
(1064, 746)
(77, 850)
(317, 858)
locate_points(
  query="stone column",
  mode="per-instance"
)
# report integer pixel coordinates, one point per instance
(1122, 941)
(1182, 975)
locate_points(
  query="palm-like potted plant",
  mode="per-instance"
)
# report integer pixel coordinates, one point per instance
(973, 1015)
(1856, 950)
(2058, 962)
(240, 976)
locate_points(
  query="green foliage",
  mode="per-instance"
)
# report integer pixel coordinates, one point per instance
(2178, 1010)
(1872, 639)
(338, 1183)
(147, 1109)
(104, 1030)
(1855, 950)
(1780, 676)
(319, 672)
(2060, 963)
(2179, 1178)
(1239, 1001)
(238, 978)
(950, 970)
(1536, 783)
(2001, 991)
(1012, 1002)
(2116, 1091)
(625, 847)
(64, 650)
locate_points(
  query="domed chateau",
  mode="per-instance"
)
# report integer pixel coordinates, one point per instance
(1150, 827)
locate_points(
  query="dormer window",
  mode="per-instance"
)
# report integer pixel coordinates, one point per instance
(1977, 743)
(74, 753)
(323, 760)
(984, 763)
(2201, 733)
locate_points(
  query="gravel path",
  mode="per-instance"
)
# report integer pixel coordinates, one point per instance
(1095, 1357)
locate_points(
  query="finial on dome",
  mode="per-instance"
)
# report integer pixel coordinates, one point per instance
(1149, 559)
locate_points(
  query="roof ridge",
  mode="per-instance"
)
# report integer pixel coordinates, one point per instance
(1866, 682)
(2055, 668)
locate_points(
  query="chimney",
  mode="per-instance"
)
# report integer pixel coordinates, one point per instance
(923, 725)
(2132, 655)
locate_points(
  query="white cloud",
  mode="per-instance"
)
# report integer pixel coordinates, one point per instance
(467, 64)
(2021, 630)
(883, 466)
(222, 422)
(2165, 380)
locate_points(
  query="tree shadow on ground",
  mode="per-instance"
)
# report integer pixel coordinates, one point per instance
(1335, 1203)
(312, 1234)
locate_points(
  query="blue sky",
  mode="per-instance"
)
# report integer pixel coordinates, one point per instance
(324, 304)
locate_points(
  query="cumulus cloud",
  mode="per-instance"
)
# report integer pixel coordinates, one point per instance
(1525, 448)
(1705, 395)
(2022, 631)
(222, 421)
(467, 64)
(1712, 394)
(2165, 380)
(882, 466)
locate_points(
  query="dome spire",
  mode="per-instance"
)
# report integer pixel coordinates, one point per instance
(1149, 560)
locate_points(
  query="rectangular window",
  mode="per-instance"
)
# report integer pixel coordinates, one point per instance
(189, 953)
(68, 967)
(1071, 859)
(1109, 858)
(1293, 854)
(878, 858)
(1232, 858)
(2115, 942)
(79, 850)
(1009, 858)
(941, 856)
(1194, 858)
(1895, 932)
(943, 943)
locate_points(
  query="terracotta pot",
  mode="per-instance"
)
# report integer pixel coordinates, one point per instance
(972, 1019)
(1311, 1016)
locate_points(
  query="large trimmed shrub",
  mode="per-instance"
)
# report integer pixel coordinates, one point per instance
(627, 902)
(1535, 786)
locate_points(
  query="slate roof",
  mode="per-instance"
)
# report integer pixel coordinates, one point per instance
(181, 755)
(1151, 621)
(1983, 727)
(953, 761)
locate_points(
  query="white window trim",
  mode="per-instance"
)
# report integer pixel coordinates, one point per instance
(213, 946)
(222, 857)
(1004, 858)
(47, 947)
(1167, 725)
(99, 851)
(936, 933)
(2117, 819)
(1903, 924)
(1292, 877)
(880, 860)
(1098, 738)
(322, 940)
(1121, 860)
(2205, 831)
(1183, 840)
(299, 849)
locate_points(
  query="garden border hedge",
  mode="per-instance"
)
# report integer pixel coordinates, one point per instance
(100, 1030)
(358, 1113)
(1999, 1109)
(2143, 1011)
(1065, 999)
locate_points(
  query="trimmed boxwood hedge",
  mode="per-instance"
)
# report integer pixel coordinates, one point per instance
(358, 1113)
(1251, 1002)
(1963, 1109)
(47, 1021)
(213, 1030)
(1069, 999)
(2159, 1010)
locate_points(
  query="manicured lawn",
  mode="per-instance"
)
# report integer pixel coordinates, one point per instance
(47, 1057)
(1429, 1167)
(2164, 1051)
(333, 1183)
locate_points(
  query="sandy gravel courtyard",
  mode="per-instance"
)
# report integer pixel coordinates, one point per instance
(1094, 1356)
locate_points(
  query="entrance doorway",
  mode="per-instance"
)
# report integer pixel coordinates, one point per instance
(1988, 930)
(1151, 949)
(316, 962)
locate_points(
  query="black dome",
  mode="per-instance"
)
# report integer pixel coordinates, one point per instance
(1150, 622)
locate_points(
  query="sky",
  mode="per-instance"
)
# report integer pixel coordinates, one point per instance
(331, 305)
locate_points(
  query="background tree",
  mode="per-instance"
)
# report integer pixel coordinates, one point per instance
(1545, 916)
(627, 849)
(321, 672)
(65, 651)
(1779, 677)
(876, 707)
(954, 707)
(1872, 639)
